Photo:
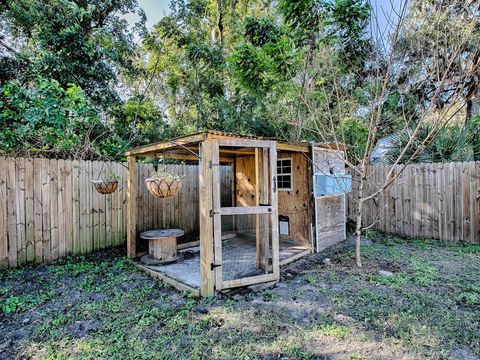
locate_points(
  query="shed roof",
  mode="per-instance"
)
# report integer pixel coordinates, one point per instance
(182, 141)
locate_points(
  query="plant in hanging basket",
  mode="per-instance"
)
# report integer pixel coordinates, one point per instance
(108, 185)
(164, 184)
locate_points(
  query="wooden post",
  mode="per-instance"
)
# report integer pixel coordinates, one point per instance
(206, 220)
(262, 197)
(274, 203)
(131, 207)
(259, 249)
(217, 218)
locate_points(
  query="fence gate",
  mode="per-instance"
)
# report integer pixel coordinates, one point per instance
(246, 249)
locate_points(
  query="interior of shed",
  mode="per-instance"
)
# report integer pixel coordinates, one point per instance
(242, 255)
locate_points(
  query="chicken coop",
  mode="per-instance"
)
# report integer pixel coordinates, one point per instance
(249, 206)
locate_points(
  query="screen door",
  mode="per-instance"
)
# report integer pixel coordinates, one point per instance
(246, 247)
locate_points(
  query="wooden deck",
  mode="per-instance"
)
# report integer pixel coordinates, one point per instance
(239, 261)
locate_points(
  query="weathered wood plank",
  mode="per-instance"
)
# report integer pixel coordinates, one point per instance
(69, 204)
(206, 221)
(29, 211)
(76, 184)
(11, 211)
(3, 215)
(217, 218)
(61, 209)
(115, 232)
(107, 239)
(46, 220)
(132, 207)
(38, 209)
(53, 188)
(20, 211)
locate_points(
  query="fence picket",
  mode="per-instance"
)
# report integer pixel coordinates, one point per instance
(20, 210)
(3, 215)
(29, 211)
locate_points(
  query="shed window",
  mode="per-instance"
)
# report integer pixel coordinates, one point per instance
(284, 174)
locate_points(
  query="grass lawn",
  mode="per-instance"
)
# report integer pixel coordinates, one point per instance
(101, 306)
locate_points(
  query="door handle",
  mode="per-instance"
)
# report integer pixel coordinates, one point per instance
(274, 184)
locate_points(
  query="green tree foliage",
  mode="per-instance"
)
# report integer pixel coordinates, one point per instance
(189, 57)
(452, 143)
(459, 23)
(141, 122)
(332, 39)
(354, 132)
(73, 42)
(242, 66)
(51, 120)
(50, 49)
(266, 58)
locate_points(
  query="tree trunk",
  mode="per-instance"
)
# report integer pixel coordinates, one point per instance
(468, 113)
(358, 225)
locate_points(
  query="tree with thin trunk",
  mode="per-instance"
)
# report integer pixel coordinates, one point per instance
(363, 105)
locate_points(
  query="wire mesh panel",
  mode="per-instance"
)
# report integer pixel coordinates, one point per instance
(179, 211)
(246, 246)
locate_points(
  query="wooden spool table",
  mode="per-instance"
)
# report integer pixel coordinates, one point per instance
(162, 246)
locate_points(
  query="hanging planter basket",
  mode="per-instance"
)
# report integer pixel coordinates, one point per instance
(105, 186)
(163, 188)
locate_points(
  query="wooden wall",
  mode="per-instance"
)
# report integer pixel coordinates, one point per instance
(330, 224)
(49, 209)
(295, 204)
(439, 201)
(245, 180)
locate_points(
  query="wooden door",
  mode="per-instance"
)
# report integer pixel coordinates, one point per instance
(263, 254)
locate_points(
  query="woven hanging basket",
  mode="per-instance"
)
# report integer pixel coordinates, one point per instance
(105, 186)
(163, 188)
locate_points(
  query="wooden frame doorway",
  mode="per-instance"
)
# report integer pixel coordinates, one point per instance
(264, 213)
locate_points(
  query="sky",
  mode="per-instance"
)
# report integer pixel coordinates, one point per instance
(156, 9)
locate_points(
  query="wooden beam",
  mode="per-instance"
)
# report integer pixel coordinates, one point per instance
(295, 257)
(175, 283)
(257, 203)
(186, 157)
(195, 243)
(274, 201)
(245, 143)
(248, 151)
(263, 223)
(217, 218)
(298, 146)
(237, 151)
(245, 210)
(293, 147)
(131, 207)
(188, 245)
(163, 145)
(250, 280)
(206, 221)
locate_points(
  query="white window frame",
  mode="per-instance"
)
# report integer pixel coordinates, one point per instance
(283, 174)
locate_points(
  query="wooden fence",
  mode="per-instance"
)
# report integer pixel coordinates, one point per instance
(439, 201)
(49, 209)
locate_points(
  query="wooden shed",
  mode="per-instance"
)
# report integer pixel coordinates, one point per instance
(277, 211)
